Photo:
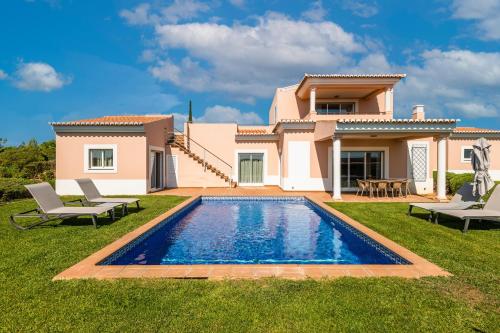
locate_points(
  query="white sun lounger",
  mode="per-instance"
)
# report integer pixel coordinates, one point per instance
(463, 199)
(51, 207)
(93, 196)
(491, 211)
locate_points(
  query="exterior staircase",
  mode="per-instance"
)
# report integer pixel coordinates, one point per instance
(209, 162)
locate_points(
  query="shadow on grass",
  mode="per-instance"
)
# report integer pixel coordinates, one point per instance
(101, 220)
(458, 224)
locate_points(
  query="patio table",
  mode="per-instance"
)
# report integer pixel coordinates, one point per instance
(373, 182)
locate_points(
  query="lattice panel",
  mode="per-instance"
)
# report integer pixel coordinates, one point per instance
(419, 163)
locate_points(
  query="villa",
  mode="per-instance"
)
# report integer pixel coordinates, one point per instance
(324, 134)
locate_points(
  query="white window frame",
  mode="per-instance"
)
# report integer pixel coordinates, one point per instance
(86, 155)
(237, 165)
(409, 171)
(462, 151)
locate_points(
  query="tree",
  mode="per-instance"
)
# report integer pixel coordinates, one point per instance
(190, 115)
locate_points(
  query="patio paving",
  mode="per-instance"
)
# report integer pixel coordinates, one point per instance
(277, 191)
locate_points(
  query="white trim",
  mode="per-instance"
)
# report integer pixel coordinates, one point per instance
(175, 162)
(87, 147)
(420, 187)
(236, 168)
(105, 186)
(462, 159)
(295, 168)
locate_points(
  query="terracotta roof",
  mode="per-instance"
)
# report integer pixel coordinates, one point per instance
(252, 131)
(475, 130)
(128, 120)
(399, 121)
(357, 76)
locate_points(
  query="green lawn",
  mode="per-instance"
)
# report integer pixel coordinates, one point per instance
(30, 301)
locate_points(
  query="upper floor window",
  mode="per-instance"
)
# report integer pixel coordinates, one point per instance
(466, 155)
(335, 108)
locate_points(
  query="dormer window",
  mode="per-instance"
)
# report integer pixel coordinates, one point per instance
(335, 108)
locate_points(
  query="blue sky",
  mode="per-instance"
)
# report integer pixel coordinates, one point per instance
(70, 59)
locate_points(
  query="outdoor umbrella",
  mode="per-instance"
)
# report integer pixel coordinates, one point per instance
(481, 163)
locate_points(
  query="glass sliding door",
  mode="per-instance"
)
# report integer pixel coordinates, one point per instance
(250, 168)
(356, 165)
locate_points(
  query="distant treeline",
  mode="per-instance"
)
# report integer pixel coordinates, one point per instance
(29, 160)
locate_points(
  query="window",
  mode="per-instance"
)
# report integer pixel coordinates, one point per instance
(251, 168)
(466, 155)
(101, 158)
(335, 108)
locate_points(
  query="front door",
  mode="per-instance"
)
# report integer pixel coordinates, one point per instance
(250, 168)
(360, 165)
(156, 167)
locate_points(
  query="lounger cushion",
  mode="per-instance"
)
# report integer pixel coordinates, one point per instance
(472, 213)
(81, 210)
(115, 200)
(444, 205)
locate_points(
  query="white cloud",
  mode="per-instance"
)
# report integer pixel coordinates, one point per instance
(140, 15)
(179, 10)
(183, 9)
(251, 60)
(453, 83)
(227, 114)
(147, 56)
(486, 14)
(3, 75)
(39, 76)
(316, 12)
(238, 3)
(361, 8)
(220, 114)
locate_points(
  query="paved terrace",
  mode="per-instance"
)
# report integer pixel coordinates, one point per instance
(276, 191)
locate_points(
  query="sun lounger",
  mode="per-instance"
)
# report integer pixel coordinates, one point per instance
(50, 207)
(491, 211)
(463, 199)
(93, 196)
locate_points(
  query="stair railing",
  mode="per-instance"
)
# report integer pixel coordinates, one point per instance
(208, 158)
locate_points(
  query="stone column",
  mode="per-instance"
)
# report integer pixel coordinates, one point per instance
(336, 167)
(312, 101)
(441, 168)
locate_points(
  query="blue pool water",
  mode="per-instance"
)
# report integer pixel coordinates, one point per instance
(253, 231)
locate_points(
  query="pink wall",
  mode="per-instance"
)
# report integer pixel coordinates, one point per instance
(292, 107)
(220, 140)
(131, 159)
(455, 151)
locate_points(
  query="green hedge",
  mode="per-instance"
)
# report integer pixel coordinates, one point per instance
(13, 188)
(454, 180)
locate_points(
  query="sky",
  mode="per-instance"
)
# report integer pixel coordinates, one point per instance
(74, 59)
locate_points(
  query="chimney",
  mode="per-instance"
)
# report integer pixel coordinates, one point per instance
(418, 112)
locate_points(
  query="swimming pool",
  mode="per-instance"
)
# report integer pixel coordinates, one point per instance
(253, 230)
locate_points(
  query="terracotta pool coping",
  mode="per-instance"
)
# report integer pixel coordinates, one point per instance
(88, 268)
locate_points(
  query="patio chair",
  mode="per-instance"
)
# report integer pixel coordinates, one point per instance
(463, 199)
(397, 186)
(406, 187)
(50, 207)
(490, 211)
(382, 187)
(92, 196)
(362, 186)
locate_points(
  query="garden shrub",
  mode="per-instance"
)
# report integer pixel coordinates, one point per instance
(13, 188)
(454, 180)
